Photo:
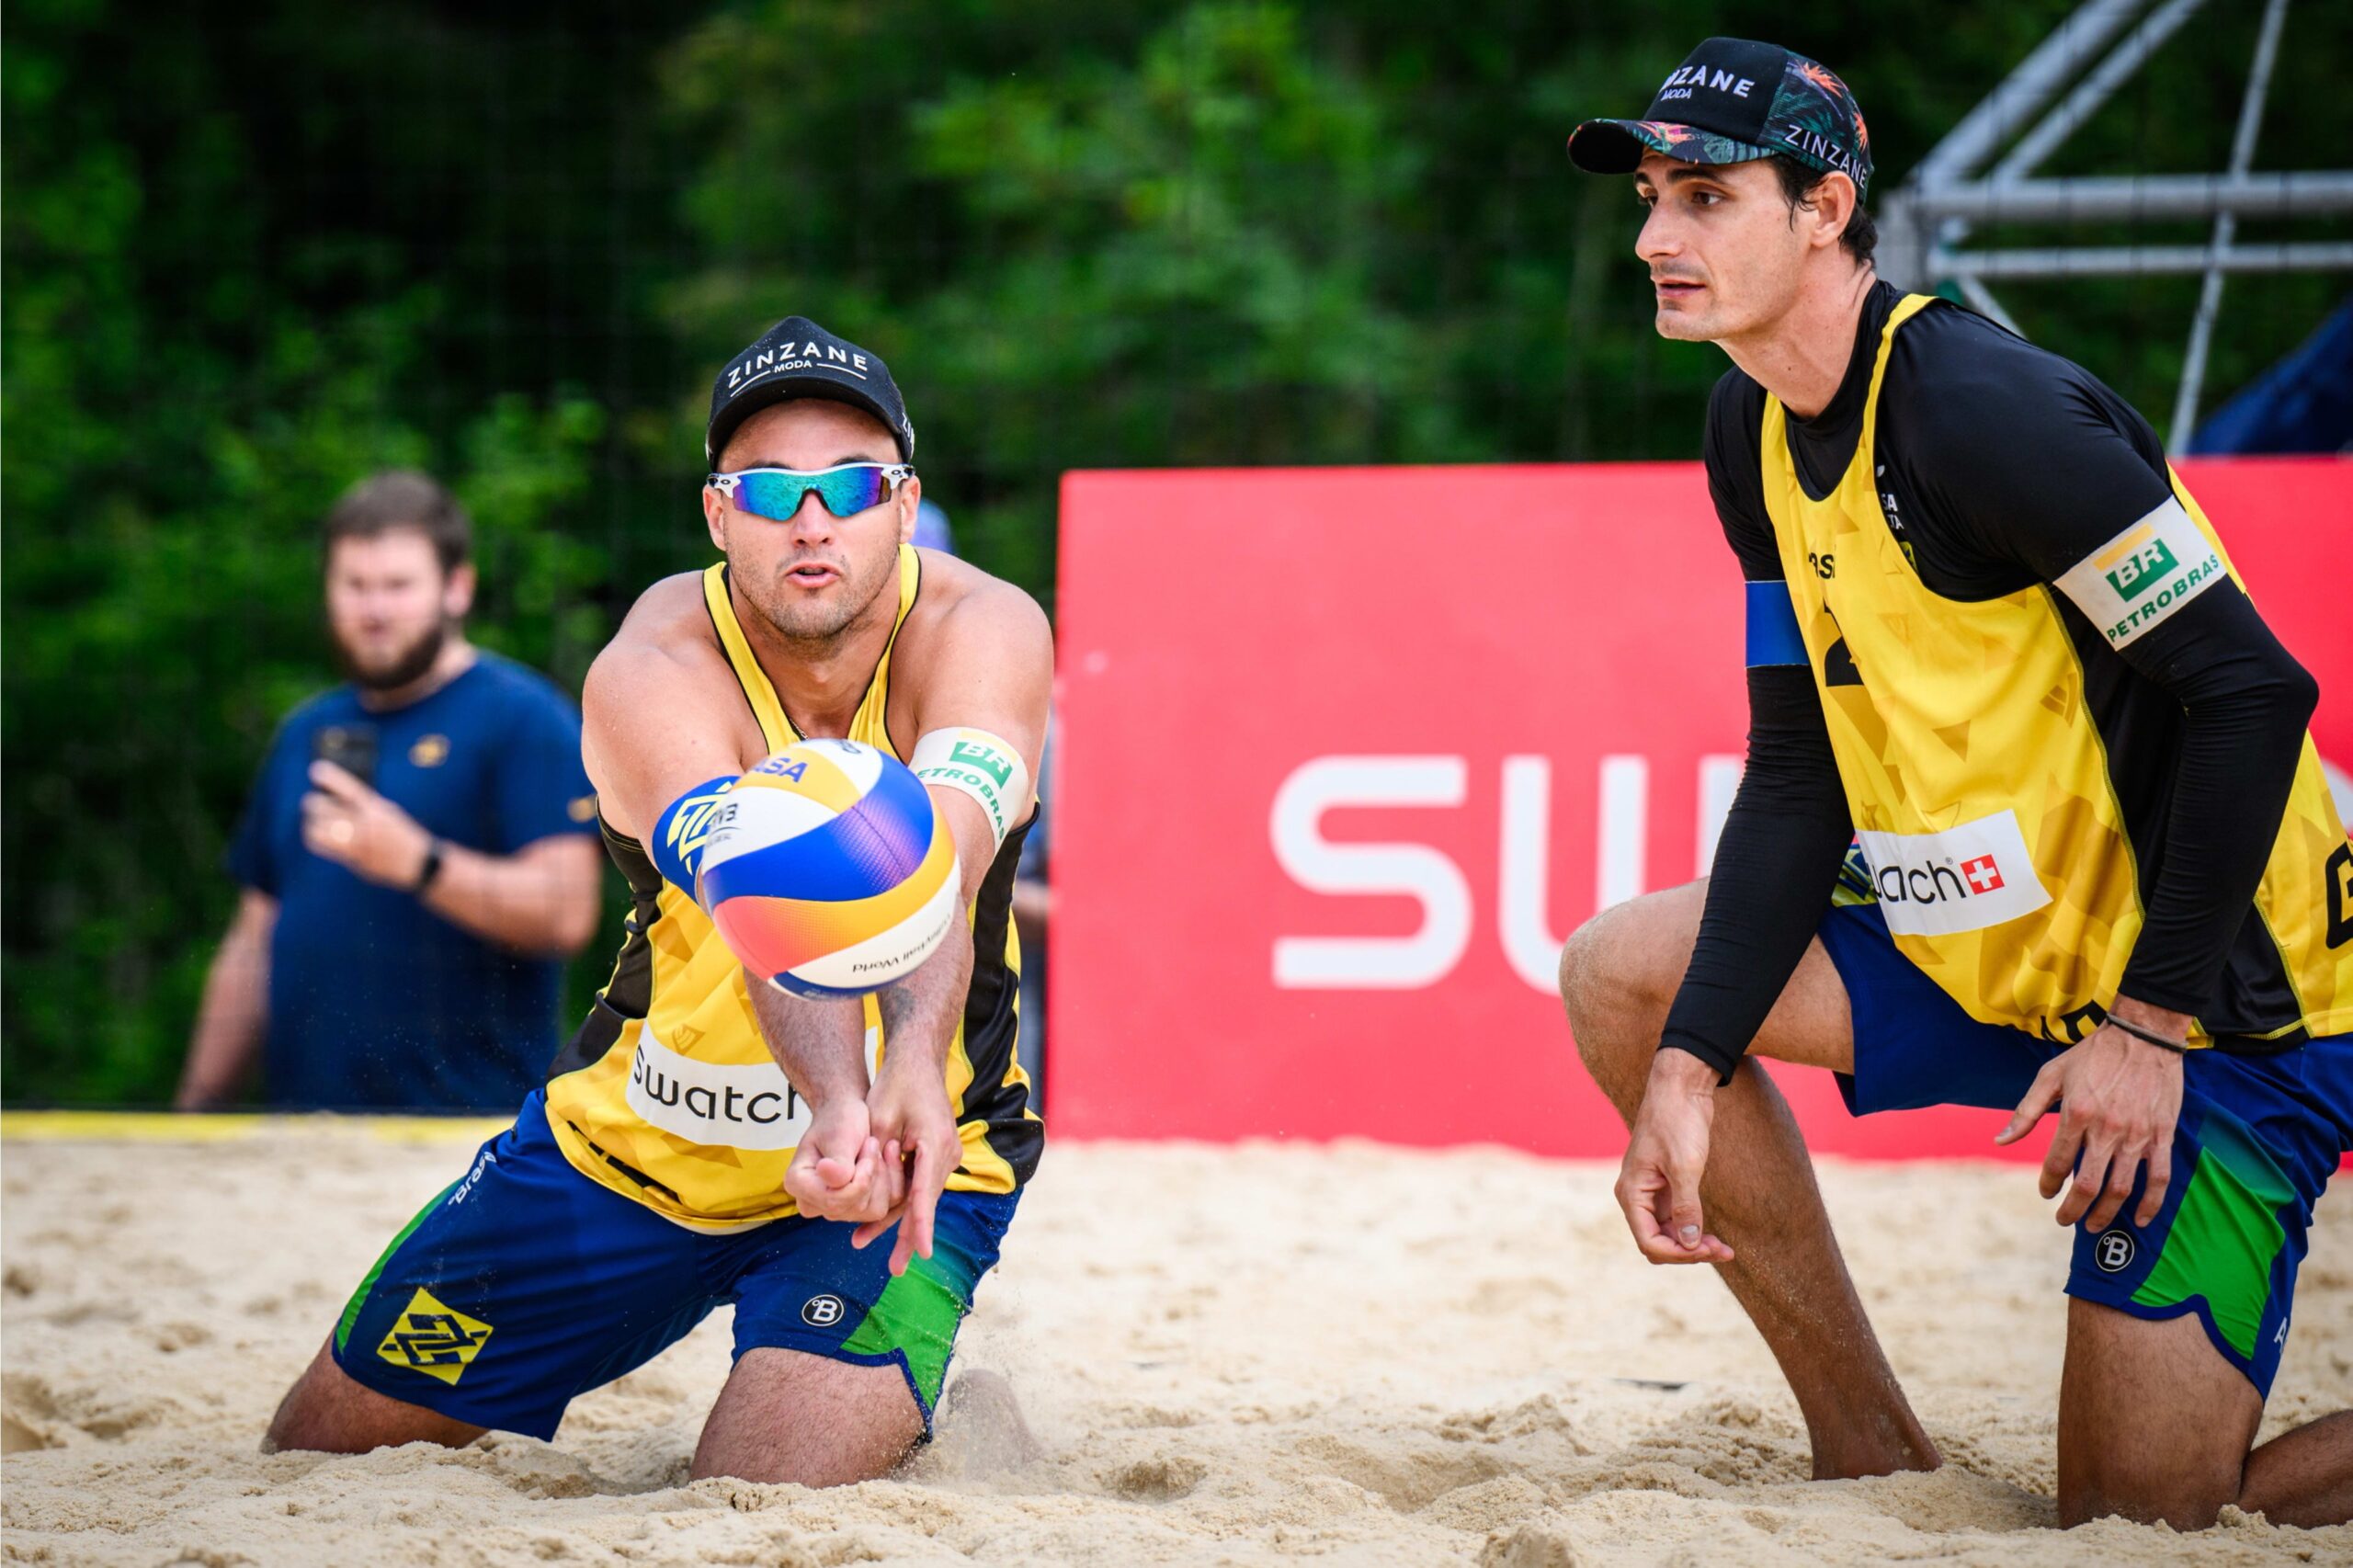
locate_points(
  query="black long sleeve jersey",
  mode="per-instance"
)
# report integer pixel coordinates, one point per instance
(2000, 467)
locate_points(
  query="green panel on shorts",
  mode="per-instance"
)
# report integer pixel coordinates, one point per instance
(2224, 1236)
(359, 1297)
(917, 1314)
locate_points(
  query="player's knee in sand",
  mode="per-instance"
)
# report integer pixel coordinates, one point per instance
(781, 1417)
(785, 1416)
(327, 1411)
(2154, 1427)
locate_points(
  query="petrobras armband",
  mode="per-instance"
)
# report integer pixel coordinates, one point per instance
(2133, 581)
(684, 830)
(982, 765)
(1773, 626)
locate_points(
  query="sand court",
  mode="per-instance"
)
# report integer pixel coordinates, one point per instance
(1348, 1353)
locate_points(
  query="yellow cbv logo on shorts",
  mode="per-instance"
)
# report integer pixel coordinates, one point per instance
(429, 1337)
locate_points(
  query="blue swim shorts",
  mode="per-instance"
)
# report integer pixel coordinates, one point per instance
(2258, 1138)
(525, 1284)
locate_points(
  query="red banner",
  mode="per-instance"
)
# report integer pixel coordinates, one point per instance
(1345, 753)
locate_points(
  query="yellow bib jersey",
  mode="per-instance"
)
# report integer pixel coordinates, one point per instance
(1971, 744)
(1995, 646)
(668, 1094)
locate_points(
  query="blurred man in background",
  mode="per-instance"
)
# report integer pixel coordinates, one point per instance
(419, 855)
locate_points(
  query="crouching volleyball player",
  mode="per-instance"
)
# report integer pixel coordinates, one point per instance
(707, 1137)
(1992, 637)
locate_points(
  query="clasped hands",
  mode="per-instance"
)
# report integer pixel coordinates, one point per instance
(879, 1161)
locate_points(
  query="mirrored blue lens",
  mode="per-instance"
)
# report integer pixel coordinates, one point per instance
(844, 492)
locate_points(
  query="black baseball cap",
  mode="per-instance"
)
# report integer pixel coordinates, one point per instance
(796, 358)
(1731, 100)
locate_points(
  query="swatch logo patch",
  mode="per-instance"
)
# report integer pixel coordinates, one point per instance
(728, 1105)
(1964, 879)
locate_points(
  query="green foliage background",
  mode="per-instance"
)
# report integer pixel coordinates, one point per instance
(251, 254)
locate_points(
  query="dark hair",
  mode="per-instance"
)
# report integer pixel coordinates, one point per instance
(1798, 180)
(402, 498)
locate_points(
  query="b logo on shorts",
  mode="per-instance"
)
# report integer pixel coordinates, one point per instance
(2114, 1252)
(822, 1311)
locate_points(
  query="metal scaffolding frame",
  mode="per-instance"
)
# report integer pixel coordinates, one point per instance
(1928, 218)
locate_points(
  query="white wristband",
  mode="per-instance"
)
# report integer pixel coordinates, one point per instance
(984, 767)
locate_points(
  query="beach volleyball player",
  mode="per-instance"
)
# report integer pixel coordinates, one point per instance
(1993, 637)
(708, 1138)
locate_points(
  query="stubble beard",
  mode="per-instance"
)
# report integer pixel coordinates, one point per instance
(1682, 326)
(813, 631)
(1703, 318)
(405, 668)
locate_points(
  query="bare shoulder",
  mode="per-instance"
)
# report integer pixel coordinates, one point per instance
(975, 650)
(661, 709)
(963, 610)
(664, 644)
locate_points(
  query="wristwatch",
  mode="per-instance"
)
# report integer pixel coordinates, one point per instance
(430, 869)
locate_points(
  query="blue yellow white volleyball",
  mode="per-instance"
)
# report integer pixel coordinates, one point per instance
(832, 876)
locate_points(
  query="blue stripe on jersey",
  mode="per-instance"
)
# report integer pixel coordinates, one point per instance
(1773, 626)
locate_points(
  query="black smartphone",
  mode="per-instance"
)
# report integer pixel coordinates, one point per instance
(351, 747)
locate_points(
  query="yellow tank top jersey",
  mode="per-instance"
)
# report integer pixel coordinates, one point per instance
(669, 1094)
(1979, 781)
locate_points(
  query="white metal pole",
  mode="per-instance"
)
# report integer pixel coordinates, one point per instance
(2145, 261)
(2209, 296)
(2093, 91)
(2023, 92)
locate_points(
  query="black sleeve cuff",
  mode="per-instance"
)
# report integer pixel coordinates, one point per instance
(1725, 1061)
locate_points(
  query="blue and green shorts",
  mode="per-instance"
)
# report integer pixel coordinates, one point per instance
(525, 1284)
(2258, 1138)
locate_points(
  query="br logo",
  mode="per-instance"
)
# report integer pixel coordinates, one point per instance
(985, 758)
(2141, 571)
(2114, 1252)
(822, 1311)
(431, 1337)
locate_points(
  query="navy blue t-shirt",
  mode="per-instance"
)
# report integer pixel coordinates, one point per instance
(375, 1001)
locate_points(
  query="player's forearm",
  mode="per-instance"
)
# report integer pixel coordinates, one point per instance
(1774, 870)
(2242, 734)
(920, 1012)
(518, 901)
(819, 1043)
(229, 1021)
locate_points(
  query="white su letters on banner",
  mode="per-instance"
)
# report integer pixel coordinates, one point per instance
(1429, 877)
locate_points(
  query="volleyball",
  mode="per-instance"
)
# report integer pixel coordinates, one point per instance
(830, 874)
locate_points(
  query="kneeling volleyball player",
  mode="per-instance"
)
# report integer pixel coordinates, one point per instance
(1993, 637)
(707, 1137)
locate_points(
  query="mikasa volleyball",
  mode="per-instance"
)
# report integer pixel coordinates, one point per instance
(828, 872)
